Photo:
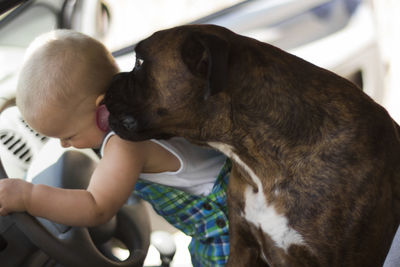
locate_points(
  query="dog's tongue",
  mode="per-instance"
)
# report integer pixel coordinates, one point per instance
(102, 118)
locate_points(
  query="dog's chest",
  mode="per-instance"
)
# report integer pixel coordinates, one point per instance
(257, 211)
(264, 216)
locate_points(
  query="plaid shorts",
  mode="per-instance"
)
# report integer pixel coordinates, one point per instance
(204, 218)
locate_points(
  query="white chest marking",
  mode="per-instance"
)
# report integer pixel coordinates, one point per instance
(258, 211)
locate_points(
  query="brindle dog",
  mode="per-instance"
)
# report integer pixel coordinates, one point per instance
(316, 174)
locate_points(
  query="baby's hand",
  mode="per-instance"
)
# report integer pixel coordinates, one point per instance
(14, 195)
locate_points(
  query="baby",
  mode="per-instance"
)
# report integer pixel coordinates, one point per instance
(60, 92)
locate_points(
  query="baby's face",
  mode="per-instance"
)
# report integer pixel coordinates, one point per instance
(81, 132)
(76, 128)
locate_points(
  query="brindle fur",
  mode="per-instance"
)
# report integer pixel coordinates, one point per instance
(330, 150)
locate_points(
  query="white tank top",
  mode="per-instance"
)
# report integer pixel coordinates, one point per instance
(199, 166)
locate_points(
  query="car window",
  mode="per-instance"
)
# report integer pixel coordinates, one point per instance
(138, 19)
(22, 29)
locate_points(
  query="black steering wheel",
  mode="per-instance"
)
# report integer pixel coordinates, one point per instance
(79, 246)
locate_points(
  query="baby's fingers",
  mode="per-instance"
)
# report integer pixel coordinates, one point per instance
(3, 211)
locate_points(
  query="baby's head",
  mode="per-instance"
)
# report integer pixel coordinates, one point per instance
(63, 75)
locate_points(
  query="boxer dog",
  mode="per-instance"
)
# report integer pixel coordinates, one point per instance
(316, 173)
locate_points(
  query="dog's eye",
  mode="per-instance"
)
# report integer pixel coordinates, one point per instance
(138, 63)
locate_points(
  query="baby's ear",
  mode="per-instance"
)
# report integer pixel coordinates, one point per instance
(100, 100)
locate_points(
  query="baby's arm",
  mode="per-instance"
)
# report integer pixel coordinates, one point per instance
(110, 186)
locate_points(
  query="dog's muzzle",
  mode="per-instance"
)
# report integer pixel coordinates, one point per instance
(129, 123)
(125, 126)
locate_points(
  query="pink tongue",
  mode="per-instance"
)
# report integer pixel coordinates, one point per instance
(102, 118)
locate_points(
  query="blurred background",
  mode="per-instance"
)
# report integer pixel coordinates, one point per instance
(357, 39)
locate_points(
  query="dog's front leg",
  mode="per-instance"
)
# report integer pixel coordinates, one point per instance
(241, 251)
(244, 249)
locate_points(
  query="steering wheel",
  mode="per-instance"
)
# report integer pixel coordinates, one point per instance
(76, 246)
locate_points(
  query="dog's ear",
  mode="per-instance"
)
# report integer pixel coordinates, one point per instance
(206, 56)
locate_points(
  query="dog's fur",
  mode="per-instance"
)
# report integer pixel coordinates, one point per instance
(316, 175)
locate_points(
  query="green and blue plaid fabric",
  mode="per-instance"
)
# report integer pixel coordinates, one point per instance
(204, 218)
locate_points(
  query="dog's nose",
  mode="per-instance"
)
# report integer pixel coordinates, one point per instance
(129, 123)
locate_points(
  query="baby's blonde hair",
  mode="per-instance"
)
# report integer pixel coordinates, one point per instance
(62, 67)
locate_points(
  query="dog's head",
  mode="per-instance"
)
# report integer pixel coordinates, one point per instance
(171, 90)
